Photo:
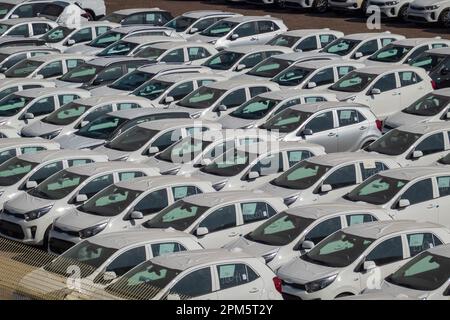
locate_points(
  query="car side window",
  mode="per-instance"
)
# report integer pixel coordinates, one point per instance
(220, 219)
(270, 164)
(101, 30)
(314, 99)
(96, 185)
(252, 59)
(184, 191)
(220, 149)
(246, 29)
(324, 229)
(204, 82)
(432, 144)
(359, 218)
(325, 39)
(127, 260)
(321, 122)
(368, 48)
(233, 275)
(204, 23)
(7, 154)
(348, 117)
(127, 106)
(386, 252)
(386, 41)
(343, 70)
(419, 192)
(78, 162)
(167, 139)
(288, 104)
(295, 156)
(307, 44)
(443, 185)
(196, 283)
(235, 98)
(42, 107)
(408, 78)
(159, 249)
(419, 242)
(40, 28)
(25, 150)
(94, 114)
(153, 202)
(196, 53)
(83, 35)
(323, 77)
(124, 176)
(256, 211)
(369, 168)
(66, 98)
(21, 31)
(46, 171)
(417, 52)
(254, 91)
(182, 90)
(176, 55)
(386, 83)
(53, 69)
(342, 177)
(267, 26)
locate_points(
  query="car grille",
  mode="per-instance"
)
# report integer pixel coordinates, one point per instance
(14, 214)
(416, 18)
(12, 230)
(59, 246)
(417, 8)
(69, 232)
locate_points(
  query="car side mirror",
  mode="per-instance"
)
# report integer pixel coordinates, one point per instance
(193, 30)
(369, 265)
(152, 150)
(31, 184)
(109, 276)
(14, 16)
(240, 67)
(222, 107)
(28, 116)
(325, 188)
(136, 215)
(307, 245)
(39, 77)
(403, 203)
(201, 231)
(417, 154)
(81, 198)
(84, 123)
(375, 91)
(307, 132)
(358, 55)
(234, 36)
(253, 175)
(169, 99)
(311, 85)
(70, 42)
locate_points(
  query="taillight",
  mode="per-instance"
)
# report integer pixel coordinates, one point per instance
(277, 284)
(433, 84)
(379, 124)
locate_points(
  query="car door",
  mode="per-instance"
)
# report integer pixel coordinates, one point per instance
(52, 70)
(253, 214)
(180, 192)
(266, 31)
(19, 31)
(38, 110)
(197, 55)
(174, 56)
(166, 139)
(46, 171)
(342, 180)
(161, 248)
(196, 285)
(365, 49)
(352, 131)
(307, 44)
(238, 281)
(432, 148)
(412, 87)
(443, 184)
(324, 131)
(389, 99)
(421, 241)
(247, 34)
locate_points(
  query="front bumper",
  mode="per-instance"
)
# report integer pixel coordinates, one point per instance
(60, 239)
(299, 4)
(387, 11)
(18, 229)
(423, 16)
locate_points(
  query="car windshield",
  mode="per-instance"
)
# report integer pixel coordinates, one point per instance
(110, 202)
(223, 60)
(5, 8)
(338, 250)
(13, 170)
(341, 46)
(391, 53)
(121, 48)
(426, 272)
(82, 74)
(394, 142)
(86, 255)
(13, 104)
(284, 41)
(67, 114)
(114, 17)
(106, 39)
(429, 105)
(269, 68)
(132, 139)
(287, 120)
(376, 190)
(279, 230)
(143, 282)
(180, 23)
(293, 76)
(219, 29)
(131, 81)
(427, 61)
(23, 69)
(101, 128)
(229, 164)
(4, 28)
(256, 108)
(184, 151)
(178, 216)
(353, 82)
(58, 186)
(152, 89)
(150, 53)
(57, 34)
(301, 176)
(203, 97)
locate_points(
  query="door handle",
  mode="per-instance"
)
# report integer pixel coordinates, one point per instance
(253, 38)
(430, 206)
(254, 290)
(331, 134)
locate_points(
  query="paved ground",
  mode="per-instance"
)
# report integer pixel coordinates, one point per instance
(294, 19)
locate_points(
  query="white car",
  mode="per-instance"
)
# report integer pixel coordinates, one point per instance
(214, 100)
(295, 231)
(121, 206)
(24, 107)
(359, 45)
(315, 74)
(430, 11)
(357, 257)
(418, 193)
(62, 37)
(385, 89)
(191, 153)
(76, 114)
(148, 138)
(256, 111)
(326, 178)
(249, 166)
(26, 27)
(63, 191)
(216, 218)
(12, 147)
(215, 274)
(320, 6)
(418, 144)
(241, 30)
(304, 40)
(8, 86)
(193, 22)
(50, 66)
(9, 56)
(390, 8)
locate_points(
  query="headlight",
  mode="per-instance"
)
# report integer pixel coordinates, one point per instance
(50, 135)
(434, 7)
(219, 186)
(290, 200)
(270, 256)
(196, 115)
(36, 214)
(351, 99)
(319, 284)
(171, 172)
(92, 231)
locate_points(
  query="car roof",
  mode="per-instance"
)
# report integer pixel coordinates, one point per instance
(14, 1)
(317, 211)
(121, 239)
(177, 77)
(264, 147)
(105, 61)
(93, 101)
(379, 229)
(18, 81)
(335, 159)
(256, 48)
(155, 68)
(57, 56)
(176, 44)
(325, 105)
(233, 83)
(37, 92)
(16, 142)
(379, 69)
(307, 32)
(418, 41)
(152, 39)
(444, 51)
(12, 50)
(425, 128)
(442, 92)
(7, 39)
(442, 250)
(216, 198)
(138, 112)
(315, 64)
(206, 13)
(188, 259)
(368, 35)
(289, 93)
(227, 134)
(175, 123)
(411, 173)
(136, 10)
(13, 22)
(103, 167)
(48, 155)
(146, 183)
(240, 19)
(134, 28)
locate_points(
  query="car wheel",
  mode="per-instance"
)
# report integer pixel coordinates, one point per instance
(45, 243)
(444, 19)
(367, 143)
(321, 6)
(403, 13)
(344, 294)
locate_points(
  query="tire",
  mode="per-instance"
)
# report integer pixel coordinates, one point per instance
(365, 144)
(444, 18)
(46, 237)
(320, 6)
(403, 13)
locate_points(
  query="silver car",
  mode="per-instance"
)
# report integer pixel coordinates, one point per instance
(9, 56)
(12, 147)
(26, 27)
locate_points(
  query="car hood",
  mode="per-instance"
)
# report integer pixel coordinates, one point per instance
(251, 247)
(279, 191)
(76, 220)
(106, 91)
(230, 122)
(163, 166)
(60, 84)
(83, 49)
(38, 128)
(24, 203)
(401, 118)
(112, 153)
(202, 38)
(77, 142)
(301, 271)
(371, 63)
(342, 96)
(209, 177)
